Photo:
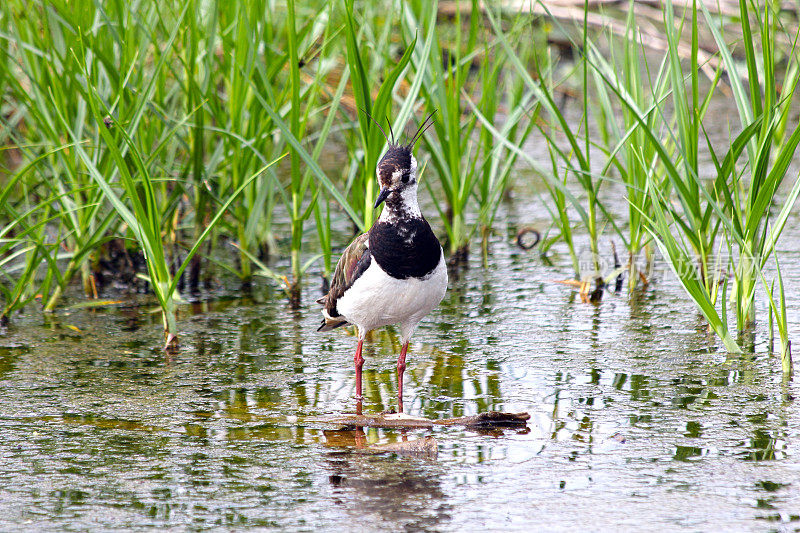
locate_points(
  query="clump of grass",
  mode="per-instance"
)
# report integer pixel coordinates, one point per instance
(505, 95)
(44, 73)
(570, 149)
(139, 208)
(706, 208)
(769, 152)
(657, 154)
(631, 153)
(696, 227)
(229, 134)
(445, 76)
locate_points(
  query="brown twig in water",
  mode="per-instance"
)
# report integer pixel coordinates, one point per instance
(481, 420)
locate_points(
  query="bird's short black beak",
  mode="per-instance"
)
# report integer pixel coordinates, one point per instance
(381, 197)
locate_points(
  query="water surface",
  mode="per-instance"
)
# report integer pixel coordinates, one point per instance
(637, 420)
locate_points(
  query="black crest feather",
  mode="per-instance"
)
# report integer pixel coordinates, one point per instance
(424, 126)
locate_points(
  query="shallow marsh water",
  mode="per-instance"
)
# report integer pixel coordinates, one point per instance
(636, 420)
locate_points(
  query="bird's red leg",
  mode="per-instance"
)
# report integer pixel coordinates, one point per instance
(401, 367)
(359, 361)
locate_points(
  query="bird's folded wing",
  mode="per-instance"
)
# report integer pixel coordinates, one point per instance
(354, 261)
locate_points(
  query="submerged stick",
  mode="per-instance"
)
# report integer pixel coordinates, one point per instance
(489, 419)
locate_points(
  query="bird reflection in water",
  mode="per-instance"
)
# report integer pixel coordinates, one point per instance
(376, 489)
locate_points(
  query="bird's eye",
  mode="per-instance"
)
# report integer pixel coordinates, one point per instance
(405, 177)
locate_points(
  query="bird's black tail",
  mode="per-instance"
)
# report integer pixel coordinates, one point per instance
(332, 323)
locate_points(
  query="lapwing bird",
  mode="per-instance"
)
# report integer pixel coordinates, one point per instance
(393, 274)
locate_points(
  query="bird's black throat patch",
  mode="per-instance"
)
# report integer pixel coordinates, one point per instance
(404, 249)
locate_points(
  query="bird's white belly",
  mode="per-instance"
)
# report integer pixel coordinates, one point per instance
(377, 299)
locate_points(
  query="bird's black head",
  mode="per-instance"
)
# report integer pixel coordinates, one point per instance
(396, 166)
(397, 169)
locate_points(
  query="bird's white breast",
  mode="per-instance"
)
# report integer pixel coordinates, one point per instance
(377, 299)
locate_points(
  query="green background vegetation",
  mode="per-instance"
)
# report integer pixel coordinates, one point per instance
(167, 139)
